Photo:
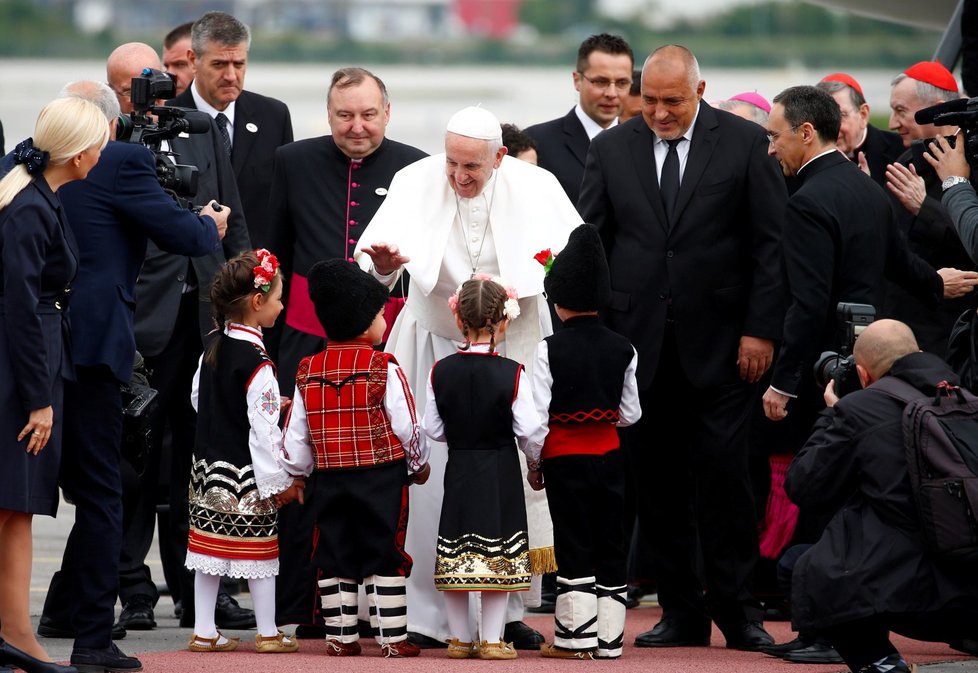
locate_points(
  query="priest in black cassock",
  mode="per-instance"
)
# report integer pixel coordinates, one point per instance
(324, 193)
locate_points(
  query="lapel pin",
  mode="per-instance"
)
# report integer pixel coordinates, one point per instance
(380, 191)
(251, 127)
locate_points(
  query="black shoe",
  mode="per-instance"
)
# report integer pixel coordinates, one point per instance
(784, 648)
(669, 633)
(11, 656)
(88, 660)
(817, 653)
(748, 636)
(894, 663)
(425, 642)
(178, 609)
(230, 615)
(522, 636)
(47, 628)
(966, 645)
(310, 632)
(137, 614)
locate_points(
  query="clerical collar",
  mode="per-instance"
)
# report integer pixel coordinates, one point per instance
(820, 154)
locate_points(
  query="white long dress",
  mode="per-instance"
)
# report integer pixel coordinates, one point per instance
(528, 212)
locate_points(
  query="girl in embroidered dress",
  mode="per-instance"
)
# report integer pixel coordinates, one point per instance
(237, 485)
(478, 402)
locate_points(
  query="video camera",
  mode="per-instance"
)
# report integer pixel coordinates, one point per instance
(841, 367)
(151, 124)
(961, 112)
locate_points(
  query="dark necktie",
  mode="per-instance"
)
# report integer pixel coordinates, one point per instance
(669, 180)
(222, 123)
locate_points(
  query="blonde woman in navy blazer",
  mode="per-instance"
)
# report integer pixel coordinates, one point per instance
(38, 260)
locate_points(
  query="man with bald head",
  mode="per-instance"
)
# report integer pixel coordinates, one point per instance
(108, 214)
(869, 572)
(689, 206)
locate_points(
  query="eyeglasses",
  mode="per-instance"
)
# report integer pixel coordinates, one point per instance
(771, 137)
(603, 83)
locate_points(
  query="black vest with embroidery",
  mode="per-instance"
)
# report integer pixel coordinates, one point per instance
(588, 363)
(474, 393)
(222, 407)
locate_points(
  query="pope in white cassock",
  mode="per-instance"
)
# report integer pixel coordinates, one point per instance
(446, 217)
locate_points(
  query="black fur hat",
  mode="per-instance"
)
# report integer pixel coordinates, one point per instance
(347, 299)
(579, 279)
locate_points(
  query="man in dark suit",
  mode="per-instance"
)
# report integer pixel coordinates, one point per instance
(920, 213)
(602, 78)
(839, 241)
(255, 125)
(112, 214)
(324, 193)
(173, 311)
(696, 286)
(872, 148)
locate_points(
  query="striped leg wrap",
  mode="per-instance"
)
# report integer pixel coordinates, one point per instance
(387, 599)
(611, 621)
(339, 600)
(575, 614)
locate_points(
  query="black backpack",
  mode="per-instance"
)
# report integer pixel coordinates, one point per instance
(940, 436)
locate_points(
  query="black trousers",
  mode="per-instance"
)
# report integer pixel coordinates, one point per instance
(171, 374)
(693, 495)
(83, 592)
(586, 498)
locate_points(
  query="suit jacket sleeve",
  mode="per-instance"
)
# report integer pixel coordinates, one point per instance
(809, 265)
(281, 236)
(910, 271)
(961, 202)
(140, 199)
(28, 233)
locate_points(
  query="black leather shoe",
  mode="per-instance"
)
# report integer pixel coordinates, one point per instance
(178, 609)
(784, 648)
(669, 633)
(425, 642)
(522, 636)
(230, 615)
(137, 614)
(11, 656)
(894, 663)
(110, 659)
(748, 636)
(47, 628)
(816, 653)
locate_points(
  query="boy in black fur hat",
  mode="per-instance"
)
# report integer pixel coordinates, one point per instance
(353, 420)
(584, 386)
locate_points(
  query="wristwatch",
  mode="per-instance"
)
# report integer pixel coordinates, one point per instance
(951, 181)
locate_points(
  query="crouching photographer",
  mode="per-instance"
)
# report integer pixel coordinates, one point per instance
(113, 214)
(879, 566)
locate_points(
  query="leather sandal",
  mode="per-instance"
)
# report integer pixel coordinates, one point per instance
(500, 650)
(279, 643)
(201, 644)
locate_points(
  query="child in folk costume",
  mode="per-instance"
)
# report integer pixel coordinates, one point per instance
(478, 402)
(584, 387)
(237, 485)
(353, 421)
